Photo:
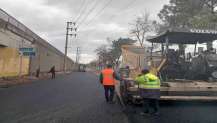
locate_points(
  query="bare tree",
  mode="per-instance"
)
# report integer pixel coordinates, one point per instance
(211, 4)
(110, 53)
(141, 27)
(104, 55)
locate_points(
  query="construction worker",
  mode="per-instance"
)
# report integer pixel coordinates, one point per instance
(149, 87)
(52, 71)
(107, 79)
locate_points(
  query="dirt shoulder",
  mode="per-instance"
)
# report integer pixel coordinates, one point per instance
(6, 82)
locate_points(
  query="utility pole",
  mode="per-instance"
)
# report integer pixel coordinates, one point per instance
(21, 60)
(71, 26)
(77, 55)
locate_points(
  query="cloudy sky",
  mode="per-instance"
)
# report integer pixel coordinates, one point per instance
(96, 20)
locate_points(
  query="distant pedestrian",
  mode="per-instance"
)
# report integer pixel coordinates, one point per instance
(52, 71)
(38, 72)
(149, 86)
(107, 79)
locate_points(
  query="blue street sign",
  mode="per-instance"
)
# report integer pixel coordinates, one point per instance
(27, 51)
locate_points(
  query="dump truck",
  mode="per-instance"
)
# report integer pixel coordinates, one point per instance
(184, 76)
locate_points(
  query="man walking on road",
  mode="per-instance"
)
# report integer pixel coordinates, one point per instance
(107, 79)
(149, 86)
(52, 71)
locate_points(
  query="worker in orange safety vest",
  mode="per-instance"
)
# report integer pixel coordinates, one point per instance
(107, 79)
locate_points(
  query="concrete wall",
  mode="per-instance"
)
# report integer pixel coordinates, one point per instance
(45, 59)
(11, 64)
(136, 61)
(133, 60)
(15, 35)
(9, 39)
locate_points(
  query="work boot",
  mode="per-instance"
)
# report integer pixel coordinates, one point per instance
(111, 102)
(155, 113)
(144, 113)
(107, 100)
(147, 111)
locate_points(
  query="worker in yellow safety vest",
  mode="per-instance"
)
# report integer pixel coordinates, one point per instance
(149, 87)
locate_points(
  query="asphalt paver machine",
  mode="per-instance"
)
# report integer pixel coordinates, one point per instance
(184, 76)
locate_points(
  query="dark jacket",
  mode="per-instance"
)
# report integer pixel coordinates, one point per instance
(52, 70)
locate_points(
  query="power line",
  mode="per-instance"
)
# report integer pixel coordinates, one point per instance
(99, 12)
(90, 11)
(78, 53)
(129, 4)
(82, 11)
(121, 9)
(86, 11)
(79, 12)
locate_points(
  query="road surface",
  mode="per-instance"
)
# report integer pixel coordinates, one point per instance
(78, 98)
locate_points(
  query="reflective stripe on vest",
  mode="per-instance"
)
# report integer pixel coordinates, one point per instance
(108, 78)
(151, 82)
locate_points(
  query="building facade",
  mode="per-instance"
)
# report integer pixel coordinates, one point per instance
(15, 35)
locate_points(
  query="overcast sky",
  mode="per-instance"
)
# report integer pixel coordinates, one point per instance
(48, 19)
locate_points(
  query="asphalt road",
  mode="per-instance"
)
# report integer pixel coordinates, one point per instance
(78, 98)
(177, 112)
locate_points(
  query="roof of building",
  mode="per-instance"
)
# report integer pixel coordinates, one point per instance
(185, 36)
